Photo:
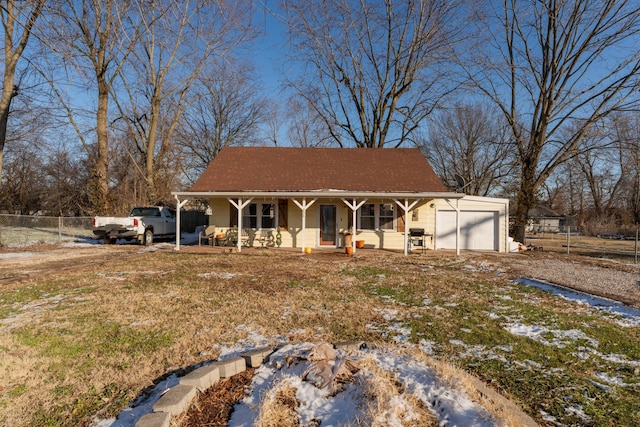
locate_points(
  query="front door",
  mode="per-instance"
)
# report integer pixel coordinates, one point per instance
(328, 223)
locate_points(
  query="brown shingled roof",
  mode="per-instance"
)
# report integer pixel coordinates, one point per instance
(318, 169)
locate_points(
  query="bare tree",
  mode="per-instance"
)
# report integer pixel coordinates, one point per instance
(548, 63)
(306, 127)
(23, 183)
(374, 69)
(90, 44)
(469, 143)
(273, 121)
(179, 40)
(626, 135)
(18, 19)
(66, 181)
(227, 112)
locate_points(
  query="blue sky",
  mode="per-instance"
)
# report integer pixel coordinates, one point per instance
(270, 48)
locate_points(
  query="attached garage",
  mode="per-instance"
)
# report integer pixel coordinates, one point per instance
(478, 230)
(482, 224)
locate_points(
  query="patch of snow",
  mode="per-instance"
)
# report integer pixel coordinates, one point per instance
(548, 417)
(578, 412)
(141, 406)
(451, 406)
(225, 276)
(630, 315)
(10, 255)
(621, 359)
(428, 347)
(538, 332)
(603, 376)
(387, 313)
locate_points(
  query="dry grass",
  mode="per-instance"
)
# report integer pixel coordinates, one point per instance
(504, 412)
(387, 400)
(278, 408)
(76, 343)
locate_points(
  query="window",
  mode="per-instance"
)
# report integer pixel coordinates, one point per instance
(250, 216)
(259, 215)
(367, 217)
(386, 216)
(268, 217)
(376, 216)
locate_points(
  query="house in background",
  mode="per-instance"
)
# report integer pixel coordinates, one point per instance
(544, 220)
(317, 197)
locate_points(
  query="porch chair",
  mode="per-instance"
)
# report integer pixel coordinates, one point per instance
(231, 237)
(208, 234)
(265, 238)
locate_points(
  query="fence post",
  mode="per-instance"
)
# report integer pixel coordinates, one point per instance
(568, 239)
(59, 229)
(636, 246)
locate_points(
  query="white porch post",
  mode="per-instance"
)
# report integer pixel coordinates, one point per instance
(179, 204)
(457, 209)
(406, 207)
(304, 206)
(354, 206)
(240, 204)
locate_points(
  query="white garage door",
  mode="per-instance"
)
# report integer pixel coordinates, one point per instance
(478, 230)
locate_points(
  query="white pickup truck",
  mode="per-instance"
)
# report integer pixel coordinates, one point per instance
(144, 223)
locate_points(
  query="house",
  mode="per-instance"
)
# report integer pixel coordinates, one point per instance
(544, 220)
(332, 197)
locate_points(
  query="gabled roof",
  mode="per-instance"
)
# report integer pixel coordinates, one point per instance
(285, 169)
(541, 211)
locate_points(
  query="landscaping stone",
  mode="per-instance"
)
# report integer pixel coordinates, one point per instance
(257, 357)
(231, 366)
(156, 419)
(202, 378)
(176, 400)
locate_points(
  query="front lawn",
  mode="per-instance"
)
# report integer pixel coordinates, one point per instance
(86, 342)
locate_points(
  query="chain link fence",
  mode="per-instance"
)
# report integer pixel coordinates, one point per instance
(26, 229)
(571, 240)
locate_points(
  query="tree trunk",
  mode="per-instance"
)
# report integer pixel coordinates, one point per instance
(4, 119)
(150, 170)
(526, 200)
(8, 93)
(100, 176)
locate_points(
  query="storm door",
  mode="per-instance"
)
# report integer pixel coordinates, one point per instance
(328, 230)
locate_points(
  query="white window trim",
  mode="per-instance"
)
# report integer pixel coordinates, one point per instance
(259, 215)
(376, 210)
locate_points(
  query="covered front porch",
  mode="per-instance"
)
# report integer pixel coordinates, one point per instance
(324, 220)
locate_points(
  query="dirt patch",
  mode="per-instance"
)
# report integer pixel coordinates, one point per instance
(213, 407)
(19, 264)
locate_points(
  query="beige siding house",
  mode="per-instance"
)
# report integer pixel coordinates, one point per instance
(332, 197)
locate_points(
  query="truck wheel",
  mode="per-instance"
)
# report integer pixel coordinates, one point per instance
(110, 241)
(148, 237)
